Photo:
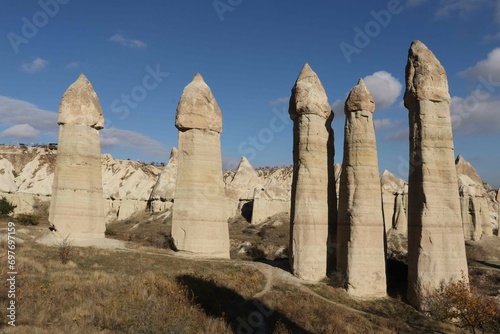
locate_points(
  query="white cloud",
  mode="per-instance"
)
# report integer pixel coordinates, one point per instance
(24, 131)
(26, 120)
(386, 123)
(486, 68)
(384, 88)
(35, 66)
(15, 112)
(131, 43)
(476, 114)
(114, 137)
(72, 65)
(338, 107)
(279, 100)
(461, 7)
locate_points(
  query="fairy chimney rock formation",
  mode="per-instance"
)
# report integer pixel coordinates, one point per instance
(77, 204)
(244, 181)
(199, 221)
(162, 195)
(436, 249)
(360, 233)
(313, 185)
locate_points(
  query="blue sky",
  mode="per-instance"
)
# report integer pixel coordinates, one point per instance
(140, 55)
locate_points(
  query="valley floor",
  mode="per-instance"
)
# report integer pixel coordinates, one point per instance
(147, 289)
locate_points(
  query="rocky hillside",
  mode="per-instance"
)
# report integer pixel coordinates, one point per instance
(27, 173)
(26, 176)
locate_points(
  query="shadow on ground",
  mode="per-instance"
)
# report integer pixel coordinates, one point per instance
(243, 315)
(283, 264)
(492, 265)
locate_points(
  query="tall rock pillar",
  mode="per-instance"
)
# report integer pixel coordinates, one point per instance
(360, 233)
(436, 249)
(313, 183)
(200, 214)
(77, 204)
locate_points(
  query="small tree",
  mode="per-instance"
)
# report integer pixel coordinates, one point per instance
(6, 207)
(458, 303)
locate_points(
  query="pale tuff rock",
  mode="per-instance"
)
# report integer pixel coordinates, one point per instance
(77, 204)
(360, 231)
(400, 220)
(129, 207)
(474, 199)
(32, 179)
(436, 250)
(498, 213)
(465, 168)
(7, 178)
(425, 77)
(198, 108)
(200, 213)
(467, 191)
(359, 99)
(391, 187)
(164, 189)
(269, 200)
(36, 177)
(127, 186)
(240, 187)
(124, 179)
(272, 195)
(80, 105)
(313, 185)
(243, 182)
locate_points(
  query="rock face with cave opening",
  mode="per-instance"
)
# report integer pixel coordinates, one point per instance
(313, 184)
(77, 204)
(200, 211)
(436, 249)
(360, 233)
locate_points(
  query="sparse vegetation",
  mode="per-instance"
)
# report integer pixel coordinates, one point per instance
(64, 250)
(6, 207)
(109, 231)
(28, 219)
(41, 209)
(459, 303)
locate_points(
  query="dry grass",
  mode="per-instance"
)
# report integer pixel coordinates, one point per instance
(146, 229)
(147, 290)
(269, 240)
(101, 291)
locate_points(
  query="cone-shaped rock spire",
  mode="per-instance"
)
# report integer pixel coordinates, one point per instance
(197, 108)
(313, 185)
(77, 204)
(200, 213)
(80, 105)
(436, 250)
(360, 234)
